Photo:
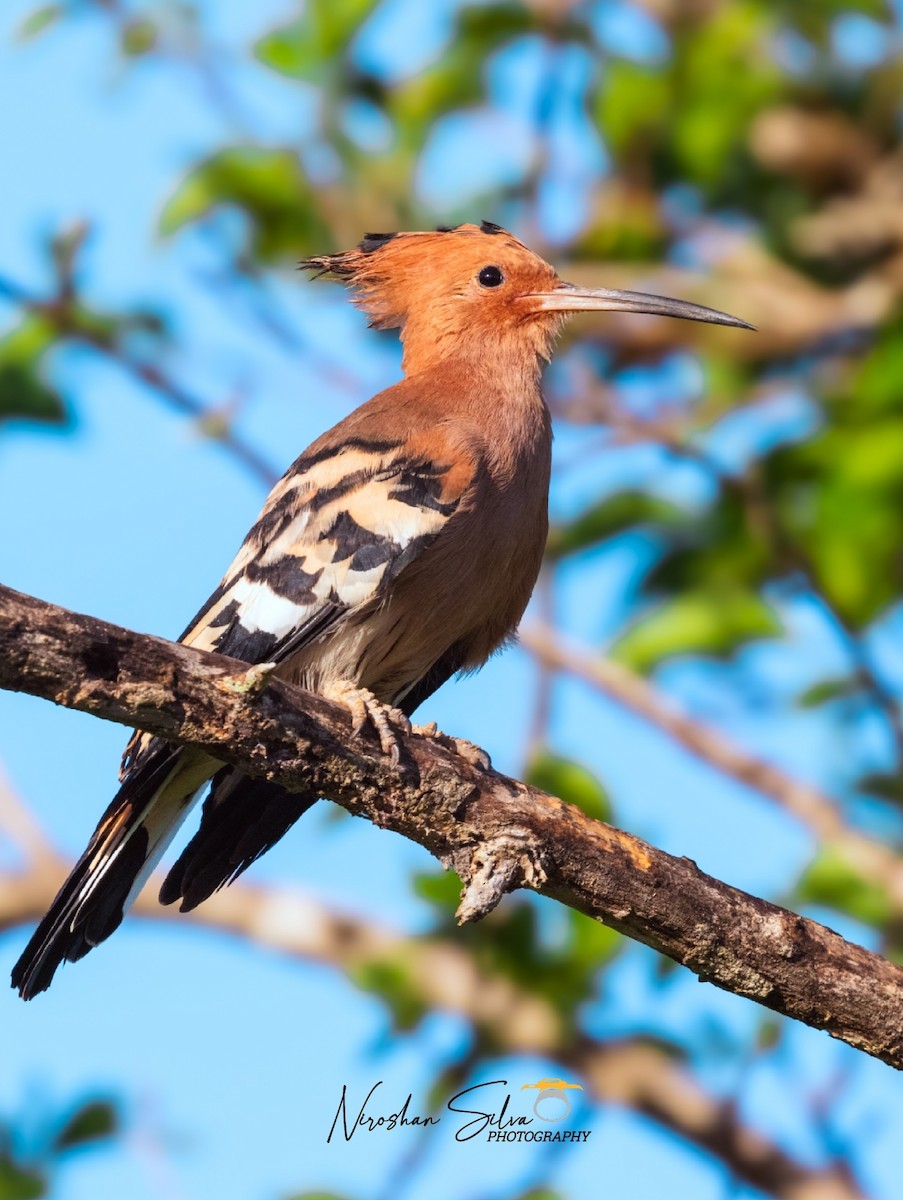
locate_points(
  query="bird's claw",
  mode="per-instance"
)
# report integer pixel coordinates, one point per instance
(366, 709)
(471, 753)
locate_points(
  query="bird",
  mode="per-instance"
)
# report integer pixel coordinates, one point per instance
(398, 550)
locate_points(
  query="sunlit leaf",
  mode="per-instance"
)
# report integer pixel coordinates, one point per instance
(307, 48)
(23, 391)
(713, 624)
(632, 106)
(269, 186)
(610, 516)
(831, 879)
(569, 781)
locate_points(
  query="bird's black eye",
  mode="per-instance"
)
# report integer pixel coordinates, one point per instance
(491, 277)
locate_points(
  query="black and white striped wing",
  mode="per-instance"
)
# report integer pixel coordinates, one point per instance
(336, 530)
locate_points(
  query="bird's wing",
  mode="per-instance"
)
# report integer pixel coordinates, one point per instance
(342, 523)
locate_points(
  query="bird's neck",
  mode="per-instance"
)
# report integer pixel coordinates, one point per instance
(498, 393)
(485, 352)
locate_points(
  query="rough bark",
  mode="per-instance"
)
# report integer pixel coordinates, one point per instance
(496, 832)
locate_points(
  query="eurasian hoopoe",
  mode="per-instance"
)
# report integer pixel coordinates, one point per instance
(399, 549)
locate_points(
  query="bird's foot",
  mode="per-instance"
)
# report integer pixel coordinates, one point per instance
(460, 746)
(367, 709)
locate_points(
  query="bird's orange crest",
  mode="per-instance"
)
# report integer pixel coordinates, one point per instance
(448, 289)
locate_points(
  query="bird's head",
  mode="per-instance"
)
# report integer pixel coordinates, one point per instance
(475, 289)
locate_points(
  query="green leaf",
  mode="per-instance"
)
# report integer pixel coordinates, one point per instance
(18, 1183)
(391, 981)
(827, 690)
(23, 392)
(308, 47)
(878, 381)
(611, 516)
(91, 1123)
(591, 944)
(689, 118)
(628, 225)
(569, 781)
(833, 880)
(883, 786)
(268, 185)
(442, 889)
(724, 74)
(721, 547)
(40, 20)
(713, 624)
(632, 108)
(138, 37)
(317, 1196)
(769, 1033)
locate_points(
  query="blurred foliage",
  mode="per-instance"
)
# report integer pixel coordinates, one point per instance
(614, 514)
(317, 1196)
(833, 881)
(267, 186)
(23, 392)
(569, 781)
(29, 1162)
(714, 623)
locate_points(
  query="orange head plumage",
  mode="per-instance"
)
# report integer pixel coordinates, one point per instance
(475, 289)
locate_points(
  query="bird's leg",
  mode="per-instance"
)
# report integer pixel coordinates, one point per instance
(365, 707)
(467, 750)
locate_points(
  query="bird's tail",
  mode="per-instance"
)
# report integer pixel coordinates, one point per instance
(126, 846)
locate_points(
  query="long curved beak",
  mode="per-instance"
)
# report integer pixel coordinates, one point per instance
(567, 297)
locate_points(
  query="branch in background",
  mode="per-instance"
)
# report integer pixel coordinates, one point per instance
(63, 314)
(816, 810)
(630, 1073)
(496, 832)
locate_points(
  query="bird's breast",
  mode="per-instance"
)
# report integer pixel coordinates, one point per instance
(466, 592)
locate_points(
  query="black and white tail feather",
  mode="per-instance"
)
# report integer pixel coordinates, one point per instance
(127, 844)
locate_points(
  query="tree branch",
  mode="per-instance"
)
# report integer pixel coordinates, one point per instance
(497, 833)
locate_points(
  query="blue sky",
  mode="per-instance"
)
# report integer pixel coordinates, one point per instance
(230, 1058)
